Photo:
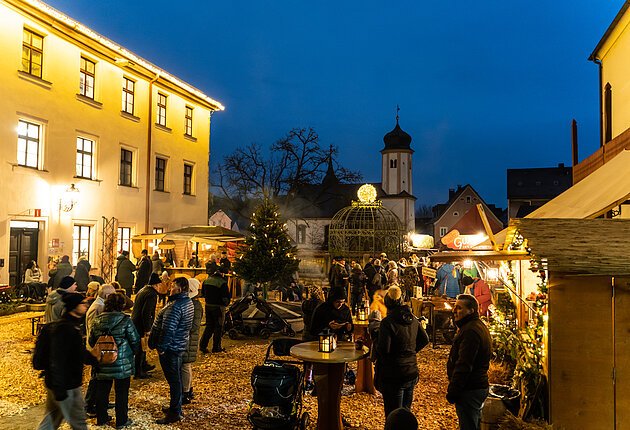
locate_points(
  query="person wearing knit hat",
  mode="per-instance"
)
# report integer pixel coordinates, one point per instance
(60, 352)
(401, 419)
(190, 355)
(333, 315)
(400, 338)
(54, 308)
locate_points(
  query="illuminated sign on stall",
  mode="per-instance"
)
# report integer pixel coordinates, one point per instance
(454, 240)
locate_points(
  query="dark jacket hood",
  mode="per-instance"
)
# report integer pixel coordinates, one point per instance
(401, 314)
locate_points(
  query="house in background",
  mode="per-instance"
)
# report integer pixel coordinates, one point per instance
(460, 212)
(97, 144)
(529, 189)
(221, 219)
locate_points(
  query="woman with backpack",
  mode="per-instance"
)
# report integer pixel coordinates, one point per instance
(116, 364)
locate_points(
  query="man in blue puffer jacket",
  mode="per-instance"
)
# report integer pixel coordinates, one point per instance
(173, 324)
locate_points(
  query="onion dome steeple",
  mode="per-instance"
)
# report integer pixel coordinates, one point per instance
(397, 138)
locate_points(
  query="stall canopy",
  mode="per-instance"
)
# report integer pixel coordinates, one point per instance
(199, 234)
(602, 190)
(578, 246)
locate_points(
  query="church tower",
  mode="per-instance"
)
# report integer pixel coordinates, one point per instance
(397, 175)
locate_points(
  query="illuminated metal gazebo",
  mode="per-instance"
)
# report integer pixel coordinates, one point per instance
(365, 227)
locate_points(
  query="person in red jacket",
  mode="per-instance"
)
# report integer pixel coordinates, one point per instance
(480, 289)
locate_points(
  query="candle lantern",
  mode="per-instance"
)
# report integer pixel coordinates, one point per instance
(327, 341)
(362, 314)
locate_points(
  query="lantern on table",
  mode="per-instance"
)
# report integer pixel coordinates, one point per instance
(362, 313)
(327, 341)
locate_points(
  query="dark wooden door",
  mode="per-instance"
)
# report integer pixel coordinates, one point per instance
(22, 249)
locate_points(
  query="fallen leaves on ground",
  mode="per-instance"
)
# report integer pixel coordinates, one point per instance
(221, 383)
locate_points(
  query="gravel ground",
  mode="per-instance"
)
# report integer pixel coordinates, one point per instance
(221, 385)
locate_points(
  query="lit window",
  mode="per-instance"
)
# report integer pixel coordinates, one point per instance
(128, 90)
(126, 167)
(85, 158)
(160, 173)
(156, 242)
(124, 239)
(443, 231)
(80, 242)
(161, 110)
(188, 174)
(29, 139)
(32, 53)
(87, 78)
(189, 121)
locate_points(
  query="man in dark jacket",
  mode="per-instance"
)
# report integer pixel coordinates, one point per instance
(400, 338)
(143, 315)
(145, 268)
(217, 296)
(333, 315)
(174, 324)
(124, 272)
(468, 362)
(60, 353)
(225, 263)
(338, 276)
(60, 271)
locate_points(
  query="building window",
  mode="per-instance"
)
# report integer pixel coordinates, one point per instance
(468, 199)
(85, 158)
(87, 78)
(124, 239)
(301, 234)
(126, 167)
(32, 53)
(81, 242)
(189, 119)
(129, 87)
(29, 139)
(160, 173)
(161, 110)
(455, 213)
(443, 231)
(156, 242)
(188, 174)
(393, 164)
(607, 113)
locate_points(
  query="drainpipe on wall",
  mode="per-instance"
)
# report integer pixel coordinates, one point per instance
(601, 103)
(147, 212)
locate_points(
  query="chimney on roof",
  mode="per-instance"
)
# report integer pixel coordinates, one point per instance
(451, 193)
(574, 142)
(561, 165)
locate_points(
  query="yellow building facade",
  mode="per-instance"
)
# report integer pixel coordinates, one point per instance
(97, 143)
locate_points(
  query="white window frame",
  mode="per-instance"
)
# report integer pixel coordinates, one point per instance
(32, 48)
(80, 152)
(188, 120)
(160, 112)
(134, 165)
(81, 243)
(300, 234)
(192, 179)
(128, 95)
(87, 78)
(123, 239)
(24, 137)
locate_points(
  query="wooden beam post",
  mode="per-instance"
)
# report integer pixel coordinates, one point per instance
(486, 225)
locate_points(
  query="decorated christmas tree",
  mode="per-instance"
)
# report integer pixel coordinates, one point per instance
(267, 257)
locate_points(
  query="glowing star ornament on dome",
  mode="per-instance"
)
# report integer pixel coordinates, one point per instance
(367, 193)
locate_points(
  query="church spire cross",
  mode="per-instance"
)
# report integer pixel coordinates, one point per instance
(397, 116)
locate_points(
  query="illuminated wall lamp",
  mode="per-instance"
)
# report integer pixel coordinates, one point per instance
(69, 198)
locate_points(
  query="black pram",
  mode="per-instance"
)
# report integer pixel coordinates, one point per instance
(278, 389)
(270, 323)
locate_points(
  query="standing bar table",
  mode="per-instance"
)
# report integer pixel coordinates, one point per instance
(328, 369)
(365, 370)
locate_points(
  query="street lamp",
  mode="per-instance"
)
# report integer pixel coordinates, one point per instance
(69, 198)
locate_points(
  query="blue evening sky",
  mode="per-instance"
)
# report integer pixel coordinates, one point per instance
(482, 86)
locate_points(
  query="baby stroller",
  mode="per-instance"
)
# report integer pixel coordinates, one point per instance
(278, 389)
(267, 323)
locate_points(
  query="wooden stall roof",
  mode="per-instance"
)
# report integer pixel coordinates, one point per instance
(579, 246)
(201, 234)
(480, 255)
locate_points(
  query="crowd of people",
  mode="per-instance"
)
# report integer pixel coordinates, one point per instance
(82, 317)
(398, 335)
(98, 325)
